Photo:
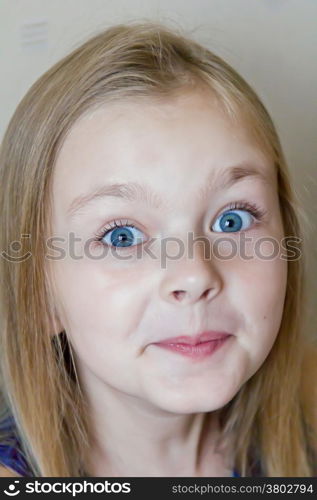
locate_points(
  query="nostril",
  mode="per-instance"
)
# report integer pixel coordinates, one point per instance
(179, 294)
(206, 292)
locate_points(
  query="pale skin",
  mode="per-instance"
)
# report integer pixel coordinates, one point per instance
(153, 412)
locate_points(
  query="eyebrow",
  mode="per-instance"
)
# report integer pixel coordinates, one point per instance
(138, 192)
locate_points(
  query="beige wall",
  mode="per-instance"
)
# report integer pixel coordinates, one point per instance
(273, 43)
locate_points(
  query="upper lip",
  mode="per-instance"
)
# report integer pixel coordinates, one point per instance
(206, 336)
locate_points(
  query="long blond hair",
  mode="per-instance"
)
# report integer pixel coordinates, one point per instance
(273, 416)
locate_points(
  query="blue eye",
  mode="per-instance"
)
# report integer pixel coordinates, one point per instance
(121, 235)
(233, 221)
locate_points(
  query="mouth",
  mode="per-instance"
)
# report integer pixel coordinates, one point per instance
(197, 346)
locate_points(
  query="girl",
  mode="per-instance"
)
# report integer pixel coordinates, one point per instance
(122, 355)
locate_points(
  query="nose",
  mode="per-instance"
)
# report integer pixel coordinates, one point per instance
(188, 280)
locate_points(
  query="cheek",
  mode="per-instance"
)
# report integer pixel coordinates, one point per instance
(102, 312)
(257, 288)
(97, 300)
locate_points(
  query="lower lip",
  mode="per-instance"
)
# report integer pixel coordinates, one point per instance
(198, 351)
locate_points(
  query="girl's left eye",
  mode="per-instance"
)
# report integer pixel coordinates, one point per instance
(237, 218)
(120, 235)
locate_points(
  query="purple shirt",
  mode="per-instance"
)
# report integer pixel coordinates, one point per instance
(11, 454)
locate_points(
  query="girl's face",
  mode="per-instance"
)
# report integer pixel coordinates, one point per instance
(117, 303)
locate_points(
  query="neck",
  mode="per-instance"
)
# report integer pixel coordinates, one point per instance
(131, 439)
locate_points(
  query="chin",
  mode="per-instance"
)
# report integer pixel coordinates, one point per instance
(184, 404)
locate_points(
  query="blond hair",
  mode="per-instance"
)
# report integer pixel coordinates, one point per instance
(273, 416)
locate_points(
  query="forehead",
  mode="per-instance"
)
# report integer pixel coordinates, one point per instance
(171, 143)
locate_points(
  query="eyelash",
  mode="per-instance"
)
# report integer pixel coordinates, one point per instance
(257, 212)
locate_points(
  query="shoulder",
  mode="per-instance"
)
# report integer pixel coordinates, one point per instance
(6, 472)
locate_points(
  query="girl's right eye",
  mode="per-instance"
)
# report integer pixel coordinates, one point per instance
(120, 235)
